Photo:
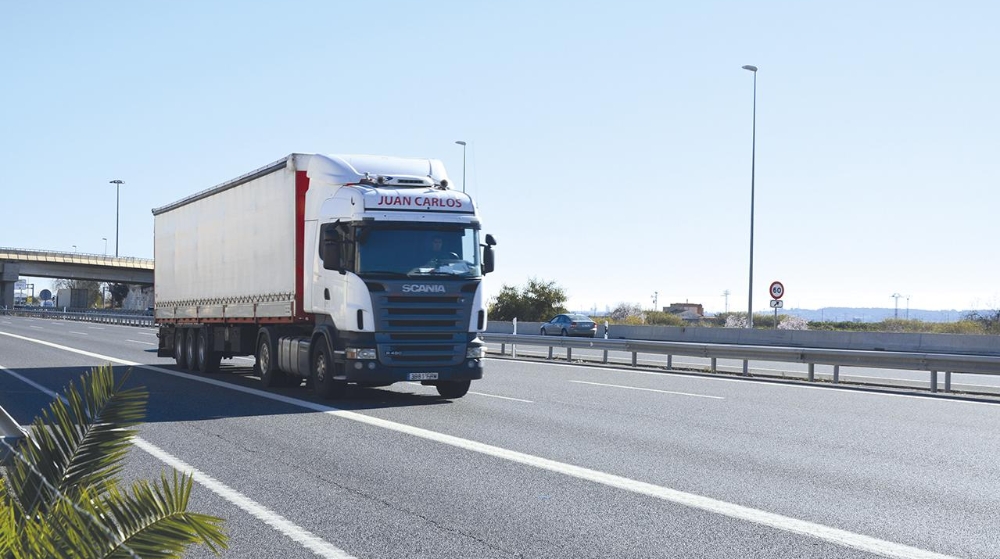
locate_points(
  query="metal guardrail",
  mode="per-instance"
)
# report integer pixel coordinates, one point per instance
(124, 319)
(931, 362)
(10, 433)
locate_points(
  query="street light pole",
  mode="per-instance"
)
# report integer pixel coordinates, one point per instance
(105, 239)
(753, 163)
(462, 143)
(118, 183)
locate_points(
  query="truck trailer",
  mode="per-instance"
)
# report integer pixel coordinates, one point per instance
(333, 269)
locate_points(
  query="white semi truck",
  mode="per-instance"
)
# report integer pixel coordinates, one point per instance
(335, 269)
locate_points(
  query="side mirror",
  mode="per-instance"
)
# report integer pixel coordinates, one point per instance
(490, 240)
(488, 258)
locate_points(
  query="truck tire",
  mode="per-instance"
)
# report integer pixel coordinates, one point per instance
(267, 360)
(453, 389)
(207, 360)
(323, 371)
(190, 341)
(179, 355)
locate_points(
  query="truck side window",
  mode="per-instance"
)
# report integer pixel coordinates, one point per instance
(339, 237)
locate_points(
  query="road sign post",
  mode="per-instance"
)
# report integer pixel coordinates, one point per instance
(777, 292)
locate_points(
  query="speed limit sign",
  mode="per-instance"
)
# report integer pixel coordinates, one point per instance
(777, 290)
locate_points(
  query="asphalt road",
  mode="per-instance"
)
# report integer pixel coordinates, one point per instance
(546, 460)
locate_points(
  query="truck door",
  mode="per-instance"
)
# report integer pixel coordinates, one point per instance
(336, 254)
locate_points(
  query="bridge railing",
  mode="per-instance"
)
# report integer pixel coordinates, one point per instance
(125, 319)
(21, 254)
(933, 363)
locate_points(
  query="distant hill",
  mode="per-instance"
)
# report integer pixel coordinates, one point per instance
(841, 314)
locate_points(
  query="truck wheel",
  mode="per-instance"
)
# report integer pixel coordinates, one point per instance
(323, 371)
(267, 364)
(453, 388)
(190, 341)
(207, 359)
(179, 355)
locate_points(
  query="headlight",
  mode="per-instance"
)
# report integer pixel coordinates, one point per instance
(361, 353)
(475, 352)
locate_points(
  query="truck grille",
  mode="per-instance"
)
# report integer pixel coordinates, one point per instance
(420, 330)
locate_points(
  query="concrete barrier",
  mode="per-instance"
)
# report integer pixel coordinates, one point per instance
(873, 341)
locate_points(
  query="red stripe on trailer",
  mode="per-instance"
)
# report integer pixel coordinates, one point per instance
(301, 186)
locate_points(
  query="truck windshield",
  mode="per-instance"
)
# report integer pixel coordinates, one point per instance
(413, 252)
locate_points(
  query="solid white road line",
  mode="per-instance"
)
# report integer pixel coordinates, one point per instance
(778, 385)
(836, 536)
(501, 397)
(648, 389)
(483, 394)
(308, 540)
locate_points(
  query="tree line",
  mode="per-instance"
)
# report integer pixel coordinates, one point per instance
(540, 300)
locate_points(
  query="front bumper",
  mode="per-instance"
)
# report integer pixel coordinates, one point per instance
(367, 371)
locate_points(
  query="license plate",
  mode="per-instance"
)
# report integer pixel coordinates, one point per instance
(422, 376)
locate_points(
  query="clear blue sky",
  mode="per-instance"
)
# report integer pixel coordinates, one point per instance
(609, 143)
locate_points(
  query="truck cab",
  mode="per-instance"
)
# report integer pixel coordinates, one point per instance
(397, 262)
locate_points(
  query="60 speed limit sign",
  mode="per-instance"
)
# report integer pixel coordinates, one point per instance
(777, 290)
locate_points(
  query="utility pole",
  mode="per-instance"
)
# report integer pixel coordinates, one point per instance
(726, 295)
(753, 163)
(462, 143)
(655, 300)
(118, 185)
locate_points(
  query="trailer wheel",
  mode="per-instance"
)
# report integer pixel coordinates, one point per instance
(190, 341)
(323, 371)
(207, 359)
(453, 388)
(267, 364)
(179, 355)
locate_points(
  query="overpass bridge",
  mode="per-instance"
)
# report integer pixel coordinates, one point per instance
(16, 262)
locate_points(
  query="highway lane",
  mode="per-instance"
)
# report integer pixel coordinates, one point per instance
(872, 464)
(967, 383)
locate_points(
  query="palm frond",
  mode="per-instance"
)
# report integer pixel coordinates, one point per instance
(80, 443)
(8, 520)
(67, 529)
(153, 520)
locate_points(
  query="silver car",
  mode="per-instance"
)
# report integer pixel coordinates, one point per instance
(570, 325)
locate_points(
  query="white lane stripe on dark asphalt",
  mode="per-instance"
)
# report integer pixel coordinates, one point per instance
(485, 394)
(648, 389)
(836, 536)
